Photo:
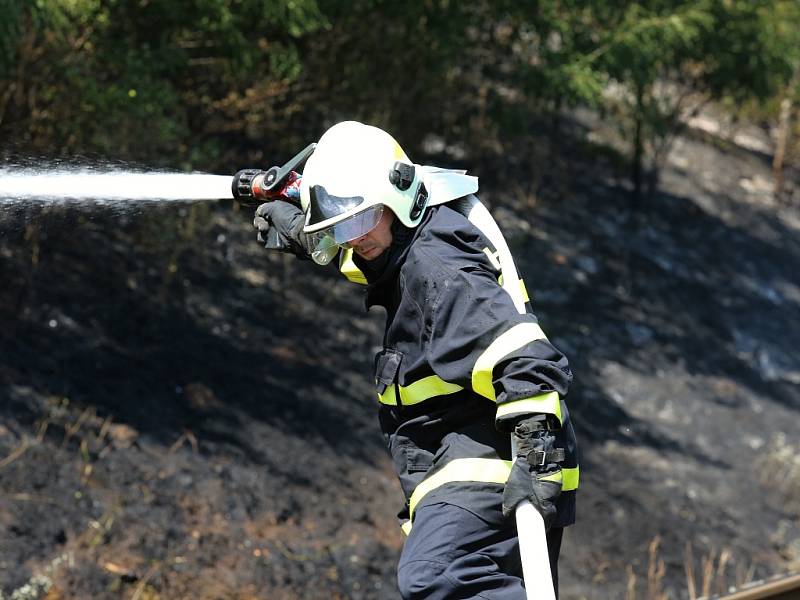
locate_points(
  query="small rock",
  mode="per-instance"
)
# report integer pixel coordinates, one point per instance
(122, 436)
(639, 334)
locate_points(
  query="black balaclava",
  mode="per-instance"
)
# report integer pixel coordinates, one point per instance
(374, 269)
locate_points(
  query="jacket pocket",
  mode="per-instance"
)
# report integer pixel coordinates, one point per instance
(411, 463)
(418, 460)
(387, 367)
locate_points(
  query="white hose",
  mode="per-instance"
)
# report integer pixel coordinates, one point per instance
(533, 552)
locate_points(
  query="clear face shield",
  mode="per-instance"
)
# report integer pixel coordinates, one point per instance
(326, 242)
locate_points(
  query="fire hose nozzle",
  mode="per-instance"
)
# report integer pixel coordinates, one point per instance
(253, 186)
(242, 185)
(247, 186)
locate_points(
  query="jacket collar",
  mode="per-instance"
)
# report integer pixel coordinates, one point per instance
(382, 272)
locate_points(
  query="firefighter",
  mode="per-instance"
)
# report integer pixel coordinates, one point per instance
(464, 367)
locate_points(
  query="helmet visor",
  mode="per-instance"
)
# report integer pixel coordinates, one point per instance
(356, 226)
(345, 231)
(326, 206)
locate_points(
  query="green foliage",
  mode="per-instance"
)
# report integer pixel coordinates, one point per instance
(133, 79)
(10, 13)
(204, 82)
(664, 58)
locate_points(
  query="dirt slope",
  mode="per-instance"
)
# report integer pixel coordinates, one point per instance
(184, 415)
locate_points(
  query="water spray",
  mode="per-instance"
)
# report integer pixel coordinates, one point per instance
(111, 186)
(107, 186)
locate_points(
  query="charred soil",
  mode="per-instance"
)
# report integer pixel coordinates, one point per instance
(185, 415)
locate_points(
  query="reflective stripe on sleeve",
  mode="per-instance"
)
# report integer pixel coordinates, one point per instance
(568, 478)
(549, 403)
(571, 480)
(389, 396)
(425, 388)
(513, 339)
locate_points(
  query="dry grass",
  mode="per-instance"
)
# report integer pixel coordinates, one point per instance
(656, 569)
(715, 573)
(779, 467)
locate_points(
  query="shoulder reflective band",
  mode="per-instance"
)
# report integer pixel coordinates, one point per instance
(493, 258)
(419, 391)
(548, 402)
(524, 291)
(479, 216)
(481, 470)
(349, 269)
(513, 339)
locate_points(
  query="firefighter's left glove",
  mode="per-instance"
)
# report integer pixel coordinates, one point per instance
(536, 472)
(280, 227)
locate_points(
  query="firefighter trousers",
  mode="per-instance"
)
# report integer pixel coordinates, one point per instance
(452, 552)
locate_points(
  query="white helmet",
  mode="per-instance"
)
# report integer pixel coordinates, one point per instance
(355, 171)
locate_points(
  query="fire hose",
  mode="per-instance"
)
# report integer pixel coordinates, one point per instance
(533, 549)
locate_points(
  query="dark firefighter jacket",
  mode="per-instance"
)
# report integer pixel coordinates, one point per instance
(458, 355)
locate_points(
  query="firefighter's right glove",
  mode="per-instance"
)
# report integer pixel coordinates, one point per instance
(280, 227)
(535, 473)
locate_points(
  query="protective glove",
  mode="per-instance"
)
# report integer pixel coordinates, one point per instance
(535, 474)
(280, 227)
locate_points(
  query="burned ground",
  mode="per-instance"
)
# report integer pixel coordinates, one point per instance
(186, 415)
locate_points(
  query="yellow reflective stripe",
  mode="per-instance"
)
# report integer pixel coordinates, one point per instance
(420, 390)
(568, 478)
(549, 403)
(555, 476)
(389, 396)
(425, 388)
(349, 269)
(513, 339)
(492, 256)
(571, 479)
(484, 470)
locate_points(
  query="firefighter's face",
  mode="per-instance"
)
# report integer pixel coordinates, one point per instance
(371, 245)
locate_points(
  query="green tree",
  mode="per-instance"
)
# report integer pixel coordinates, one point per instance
(138, 80)
(670, 57)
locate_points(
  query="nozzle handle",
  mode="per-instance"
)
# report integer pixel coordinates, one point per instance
(275, 176)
